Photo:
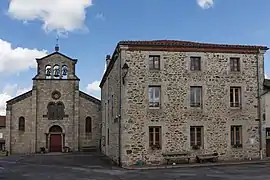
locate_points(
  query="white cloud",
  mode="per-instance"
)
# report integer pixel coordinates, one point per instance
(205, 4)
(60, 15)
(14, 60)
(93, 89)
(266, 76)
(8, 92)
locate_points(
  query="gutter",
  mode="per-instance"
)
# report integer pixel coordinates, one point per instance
(120, 111)
(259, 107)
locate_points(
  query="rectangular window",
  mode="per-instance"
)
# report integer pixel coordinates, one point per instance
(235, 96)
(236, 136)
(154, 96)
(195, 96)
(88, 125)
(235, 64)
(196, 136)
(195, 63)
(155, 137)
(154, 62)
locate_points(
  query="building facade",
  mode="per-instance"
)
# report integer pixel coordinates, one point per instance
(174, 96)
(55, 113)
(266, 95)
(2, 132)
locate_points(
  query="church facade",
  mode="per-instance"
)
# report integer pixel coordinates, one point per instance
(55, 114)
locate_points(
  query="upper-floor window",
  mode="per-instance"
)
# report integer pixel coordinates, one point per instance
(154, 96)
(195, 96)
(236, 136)
(235, 64)
(235, 96)
(154, 62)
(195, 63)
(196, 136)
(56, 111)
(21, 124)
(88, 125)
(155, 137)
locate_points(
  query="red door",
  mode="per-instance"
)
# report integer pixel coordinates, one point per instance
(55, 143)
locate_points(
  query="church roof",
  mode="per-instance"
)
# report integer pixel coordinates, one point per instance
(19, 98)
(75, 60)
(2, 121)
(90, 98)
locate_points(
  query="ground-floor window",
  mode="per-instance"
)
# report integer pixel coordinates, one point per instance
(196, 137)
(2, 146)
(155, 137)
(236, 136)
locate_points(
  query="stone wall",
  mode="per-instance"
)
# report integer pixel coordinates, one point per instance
(21, 142)
(69, 124)
(176, 116)
(91, 109)
(110, 95)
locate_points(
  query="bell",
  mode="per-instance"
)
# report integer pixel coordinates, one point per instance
(48, 72)
(56, 73)
(64, 72)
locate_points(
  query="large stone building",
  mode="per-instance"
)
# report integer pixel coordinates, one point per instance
(266, 94)
(169, 96)
(55, 113)
(2, 132)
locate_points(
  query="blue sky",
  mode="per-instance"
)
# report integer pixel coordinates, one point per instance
(29, 29)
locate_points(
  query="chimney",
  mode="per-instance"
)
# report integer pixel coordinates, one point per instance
(108, 59)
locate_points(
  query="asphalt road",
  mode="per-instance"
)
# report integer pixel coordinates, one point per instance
(95, 167)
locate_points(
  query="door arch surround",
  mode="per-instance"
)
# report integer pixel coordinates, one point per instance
(55, 138)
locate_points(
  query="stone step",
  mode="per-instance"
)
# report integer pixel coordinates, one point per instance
(89, 149)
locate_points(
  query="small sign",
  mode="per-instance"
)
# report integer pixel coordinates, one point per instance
(1, 135)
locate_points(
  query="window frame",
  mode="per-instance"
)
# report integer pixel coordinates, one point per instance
(233, 103)
(195, 63)
(154, 93)
(193, 92)
(151, 62)
(88, 125)
(235, 61)
(155, 144)
(21, 124)
(234, 142)
(196, 144)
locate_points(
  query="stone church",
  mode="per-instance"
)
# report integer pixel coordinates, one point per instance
(55, 113)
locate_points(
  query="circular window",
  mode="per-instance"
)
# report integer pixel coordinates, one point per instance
(56, 95)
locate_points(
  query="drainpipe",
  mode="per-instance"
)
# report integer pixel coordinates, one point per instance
(259, 106)
(120, 110)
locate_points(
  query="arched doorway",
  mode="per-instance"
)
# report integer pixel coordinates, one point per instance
(55, 134)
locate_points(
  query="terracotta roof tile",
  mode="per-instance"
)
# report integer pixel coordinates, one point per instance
(178, 43)
(2, 121)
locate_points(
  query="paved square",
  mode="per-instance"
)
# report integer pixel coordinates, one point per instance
(95, 167)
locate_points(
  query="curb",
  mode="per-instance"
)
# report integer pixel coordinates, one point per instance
(197, 165)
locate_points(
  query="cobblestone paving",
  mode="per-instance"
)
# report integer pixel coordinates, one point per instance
(95, 167)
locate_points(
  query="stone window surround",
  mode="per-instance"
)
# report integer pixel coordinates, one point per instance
(161, 60)
(88, 125)
(164, 129)
(21, 124)
(242, 103)
(187, 59)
